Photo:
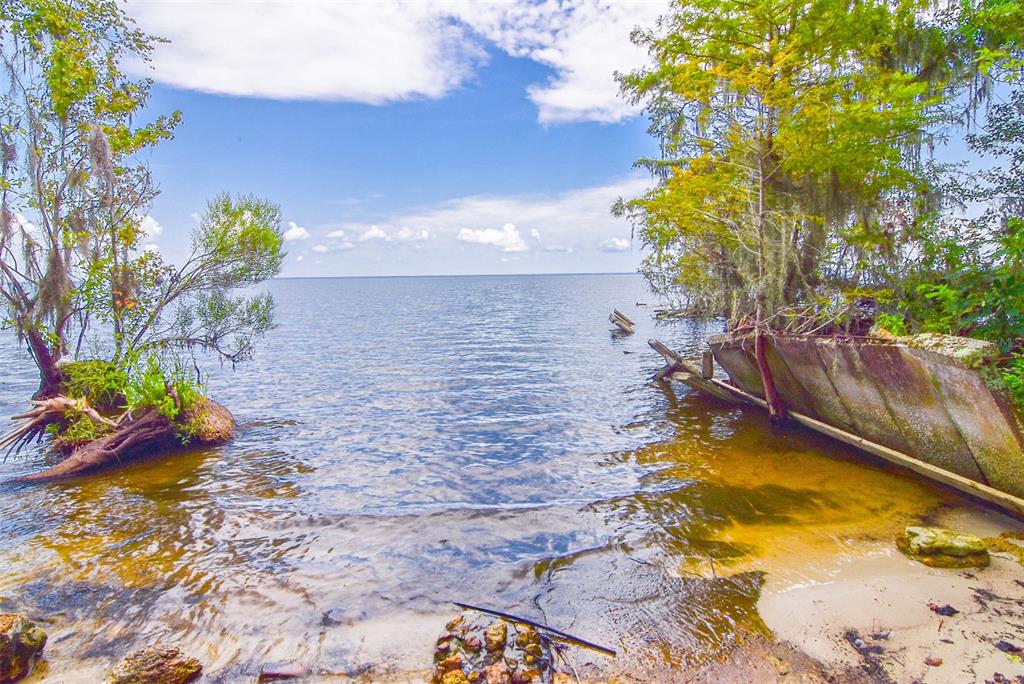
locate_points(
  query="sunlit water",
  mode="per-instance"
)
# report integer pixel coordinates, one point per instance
(408, 442)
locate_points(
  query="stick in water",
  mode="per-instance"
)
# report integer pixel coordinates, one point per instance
(516, 618)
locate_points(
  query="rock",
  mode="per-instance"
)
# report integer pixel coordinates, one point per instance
(155, 665)
(941, 548)
(208, 423)
(495, 636)
(455, 677)
(497, 674)
(20, 643)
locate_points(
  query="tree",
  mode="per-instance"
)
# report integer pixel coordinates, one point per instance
(75, 276)
(785, 126)
(66, 179)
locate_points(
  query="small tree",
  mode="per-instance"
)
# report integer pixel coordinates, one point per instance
(74, 273)
(67, 182)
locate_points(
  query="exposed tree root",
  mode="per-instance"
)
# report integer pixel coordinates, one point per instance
(43, 413)
(132, 435)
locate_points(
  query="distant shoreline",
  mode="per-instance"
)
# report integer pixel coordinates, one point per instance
(455, 275)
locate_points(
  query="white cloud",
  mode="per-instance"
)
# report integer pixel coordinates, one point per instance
(410, 235)
(615, 245)
(319, 249)
(150, 227)
(507, 239)
(151, 247)
(29, 228)
(295, 232)
(584, 41)
(299, 258)
(372, 52)
(336, 234)
(380, 52)
(374, 233)
(574, 221)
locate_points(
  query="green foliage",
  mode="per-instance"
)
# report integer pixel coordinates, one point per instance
(785, 127)
(1013, 377)
(100, 383)
(168, 390)
(892, 324)
(71, 193)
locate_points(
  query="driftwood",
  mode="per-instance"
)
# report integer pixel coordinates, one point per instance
(538, 625)
(42, 413)
(623, 322)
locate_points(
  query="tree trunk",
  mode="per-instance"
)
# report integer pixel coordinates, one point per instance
(50, 375)
(207, 423)
(776, 409)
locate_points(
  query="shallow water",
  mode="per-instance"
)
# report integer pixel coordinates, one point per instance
(406, 442)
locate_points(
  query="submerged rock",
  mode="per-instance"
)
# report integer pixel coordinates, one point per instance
(20, 643)
(938, 547)
(155, 665)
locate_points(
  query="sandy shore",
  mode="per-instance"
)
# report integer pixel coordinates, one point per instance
(868, 614)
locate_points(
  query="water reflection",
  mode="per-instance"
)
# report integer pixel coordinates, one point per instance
(409, 442)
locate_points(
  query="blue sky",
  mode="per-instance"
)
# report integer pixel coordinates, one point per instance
(405, 138)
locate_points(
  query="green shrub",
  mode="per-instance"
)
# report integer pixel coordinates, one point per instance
(101, 383)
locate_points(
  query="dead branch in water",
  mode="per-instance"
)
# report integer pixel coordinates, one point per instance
(564, 635)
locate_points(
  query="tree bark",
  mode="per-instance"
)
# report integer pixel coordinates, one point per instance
(50, 374)
(150, 431)
(776, 408)
(208, 423)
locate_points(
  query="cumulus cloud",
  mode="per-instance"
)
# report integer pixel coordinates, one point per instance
(320, 249)
(584, 41)
(150, 227)
(410, 235)
(374, 233)
(615, 245)
(295, 232)
(372, 52)
(574, 221)
(380, 52)
(336, 234)
(507, 239)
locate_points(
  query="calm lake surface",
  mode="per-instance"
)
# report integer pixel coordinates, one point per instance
(407, 442)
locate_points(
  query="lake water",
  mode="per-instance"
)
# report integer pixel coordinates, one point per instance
(407, 442)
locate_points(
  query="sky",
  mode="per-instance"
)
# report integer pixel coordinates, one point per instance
(404, 138)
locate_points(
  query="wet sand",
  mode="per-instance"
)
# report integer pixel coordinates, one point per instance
(882, 598)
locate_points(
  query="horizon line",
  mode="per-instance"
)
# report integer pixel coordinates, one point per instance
(458, 275)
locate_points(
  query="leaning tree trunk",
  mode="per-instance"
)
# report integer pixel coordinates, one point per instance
(776, 409)
(50, 375)
(207, 424)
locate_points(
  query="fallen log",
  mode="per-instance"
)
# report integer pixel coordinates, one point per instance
(622, 322)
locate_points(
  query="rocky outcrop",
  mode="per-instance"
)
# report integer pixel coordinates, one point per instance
(938, 547)
(208, 423)
(155, 665)
(20, 643)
